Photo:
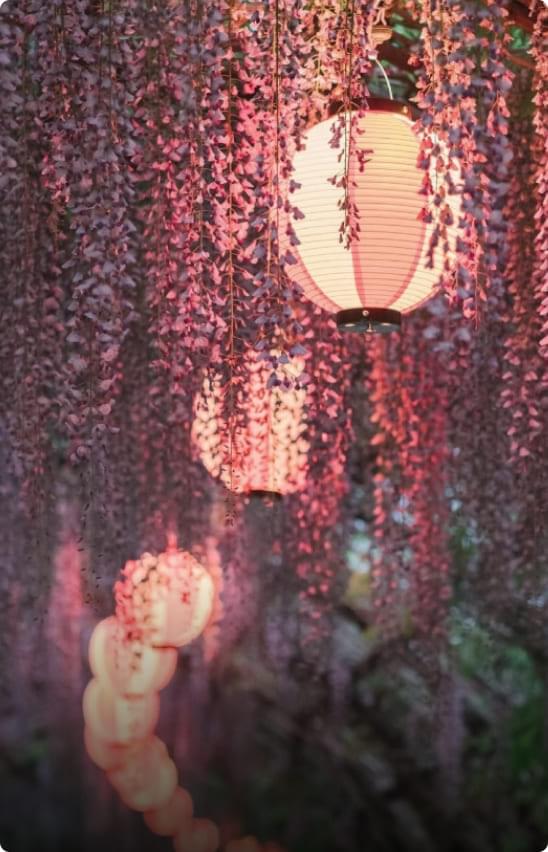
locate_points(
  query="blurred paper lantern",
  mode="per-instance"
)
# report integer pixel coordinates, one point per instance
(165, 600)
(148, 779)
(130, 667)
(260, 449)
(173, 817)
(384, 272)
(201, 836)
(147, 755)
(118, 719)
(107, 755)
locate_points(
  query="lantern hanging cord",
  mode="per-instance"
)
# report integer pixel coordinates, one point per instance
(380, 13)
(385, 75)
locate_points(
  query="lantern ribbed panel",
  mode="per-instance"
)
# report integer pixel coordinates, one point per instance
(385, 267)
(268, 451)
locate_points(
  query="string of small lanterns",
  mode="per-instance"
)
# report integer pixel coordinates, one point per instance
(162, 603)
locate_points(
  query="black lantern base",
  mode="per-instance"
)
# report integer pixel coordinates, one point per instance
(265, 496)
(369, 320)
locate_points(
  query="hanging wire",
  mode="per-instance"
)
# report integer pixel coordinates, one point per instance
(385, 75)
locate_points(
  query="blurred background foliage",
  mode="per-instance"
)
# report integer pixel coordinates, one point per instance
(379, 752)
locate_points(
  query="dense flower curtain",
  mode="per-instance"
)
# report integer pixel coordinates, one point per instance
(145, 167)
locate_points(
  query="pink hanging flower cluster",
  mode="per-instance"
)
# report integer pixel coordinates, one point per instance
(463, 84)
(412, 571)
(540, 84)
(524, 369)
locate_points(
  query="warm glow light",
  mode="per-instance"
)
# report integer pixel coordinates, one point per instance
(244, 844)
(265, 450)
(385, 267)
(107, 755)
(173, 817)
(148, 778)
(201, 836)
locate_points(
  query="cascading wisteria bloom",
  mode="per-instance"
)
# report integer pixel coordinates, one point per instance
(524, 369)
(540, 122)
(146, 159)
(315, 511)
(463, 83)
(411, 575)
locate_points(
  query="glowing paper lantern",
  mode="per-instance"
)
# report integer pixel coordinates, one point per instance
(383, 273)
(166, 600)
(104, 754)
(264, 451)
(173, 817)
(118, 719)
(201, 836)
(148, 779)
(129, 667)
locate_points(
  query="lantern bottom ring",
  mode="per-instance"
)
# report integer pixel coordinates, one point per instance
(266, 496)
(369, 320)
